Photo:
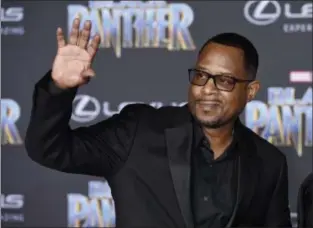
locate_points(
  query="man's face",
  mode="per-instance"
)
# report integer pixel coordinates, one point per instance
(213, 107)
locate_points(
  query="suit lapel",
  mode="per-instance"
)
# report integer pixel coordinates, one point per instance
(179, 142)
(179, 146)
(248, 170)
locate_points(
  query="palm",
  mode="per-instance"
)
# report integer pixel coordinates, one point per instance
(69, 64)
(71, 67)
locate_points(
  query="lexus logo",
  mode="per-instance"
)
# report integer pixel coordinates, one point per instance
(85, 108)
(254, 12)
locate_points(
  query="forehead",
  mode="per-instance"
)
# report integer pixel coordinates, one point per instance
(218, 58)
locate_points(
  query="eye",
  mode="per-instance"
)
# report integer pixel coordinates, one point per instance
(200, 75)
(226, 80)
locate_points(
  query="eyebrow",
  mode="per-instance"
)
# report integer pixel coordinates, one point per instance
(200, 67)
(221, 73)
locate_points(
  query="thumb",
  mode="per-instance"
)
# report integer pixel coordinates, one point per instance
(88, 73)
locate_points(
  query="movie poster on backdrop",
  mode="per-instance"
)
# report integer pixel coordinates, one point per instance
(162, 38)
(284, 119)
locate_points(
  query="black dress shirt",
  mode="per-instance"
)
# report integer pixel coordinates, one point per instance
(213, 189)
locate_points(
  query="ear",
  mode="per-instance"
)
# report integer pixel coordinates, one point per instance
(253, 89)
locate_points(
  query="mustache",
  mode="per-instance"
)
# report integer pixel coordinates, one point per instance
(203, 101)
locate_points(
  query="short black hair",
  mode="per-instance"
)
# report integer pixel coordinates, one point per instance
(235, 40)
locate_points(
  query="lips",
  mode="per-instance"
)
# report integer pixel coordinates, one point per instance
(209, 102)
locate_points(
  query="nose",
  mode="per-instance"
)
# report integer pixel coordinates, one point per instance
(209, 87)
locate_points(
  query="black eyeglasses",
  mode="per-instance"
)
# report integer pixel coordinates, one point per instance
(221, 82)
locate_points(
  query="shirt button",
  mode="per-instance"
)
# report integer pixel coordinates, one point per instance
(210, 166)
(205, 198)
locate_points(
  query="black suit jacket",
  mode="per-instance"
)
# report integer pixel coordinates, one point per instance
(305, 203)
(144, 153)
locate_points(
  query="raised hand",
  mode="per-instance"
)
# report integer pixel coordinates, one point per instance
(72, 64)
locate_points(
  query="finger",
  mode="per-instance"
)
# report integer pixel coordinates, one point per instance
(84, 81)
(74, 32)
(93, 47)
(88, 73)
(60, 38)
(85, 35)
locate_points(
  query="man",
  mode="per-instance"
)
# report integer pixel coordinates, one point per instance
(305, 203)
(192, 166)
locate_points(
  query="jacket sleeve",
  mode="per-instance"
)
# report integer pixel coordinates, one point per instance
(278, 214)
(305, 203)
(308, 212)
(99, 149)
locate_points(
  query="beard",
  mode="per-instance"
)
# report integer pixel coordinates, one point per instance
(214, 120)
(216, 123)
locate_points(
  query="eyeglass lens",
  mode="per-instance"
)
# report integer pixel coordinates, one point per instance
(221, 81)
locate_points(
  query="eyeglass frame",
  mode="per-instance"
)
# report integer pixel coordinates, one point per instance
(209, 76)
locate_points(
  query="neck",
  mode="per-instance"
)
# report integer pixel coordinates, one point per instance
(219, 138)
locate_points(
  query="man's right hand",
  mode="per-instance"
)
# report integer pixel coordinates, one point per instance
(72, 64)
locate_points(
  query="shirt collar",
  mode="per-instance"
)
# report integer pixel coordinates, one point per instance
(199, 136)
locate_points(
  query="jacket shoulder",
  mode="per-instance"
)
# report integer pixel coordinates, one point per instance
(157, 118)
(266, 149)
(166, 113)
(148, 109)
(308, 182)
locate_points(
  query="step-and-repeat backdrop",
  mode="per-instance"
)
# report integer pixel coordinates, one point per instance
(146, 50)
